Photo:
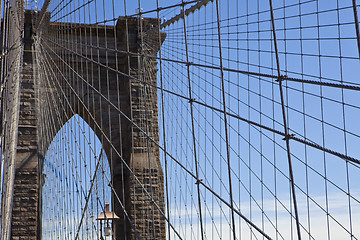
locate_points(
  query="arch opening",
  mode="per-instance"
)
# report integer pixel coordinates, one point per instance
(76, 180)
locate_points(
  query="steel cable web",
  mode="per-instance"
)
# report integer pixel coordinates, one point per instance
(11, 67)
(227, 119)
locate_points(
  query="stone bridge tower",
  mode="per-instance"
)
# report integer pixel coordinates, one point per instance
(121, 136)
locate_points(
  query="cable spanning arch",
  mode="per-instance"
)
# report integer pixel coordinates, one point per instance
(193, 119)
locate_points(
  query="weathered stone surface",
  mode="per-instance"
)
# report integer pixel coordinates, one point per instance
(134, 99)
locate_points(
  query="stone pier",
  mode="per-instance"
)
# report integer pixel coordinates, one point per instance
(138, 101)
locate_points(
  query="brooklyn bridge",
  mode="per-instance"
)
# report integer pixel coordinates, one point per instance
(199, 119)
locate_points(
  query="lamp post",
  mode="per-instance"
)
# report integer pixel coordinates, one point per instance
(106, 216)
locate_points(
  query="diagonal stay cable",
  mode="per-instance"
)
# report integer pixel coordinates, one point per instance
(227, 133)
(107, 139)
(69, 105)
(163, 117)
(285, 116)
(88, 197)
(286, 176)
(356, 21)
(298, 187)
(193, 126)
(283, 77)
(307, 142)
(82, 188)
(72, 131)
(158, 145)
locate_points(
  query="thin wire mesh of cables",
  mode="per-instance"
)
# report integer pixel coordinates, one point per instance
(200, 119)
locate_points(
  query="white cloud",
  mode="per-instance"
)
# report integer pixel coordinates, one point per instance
(217, 224)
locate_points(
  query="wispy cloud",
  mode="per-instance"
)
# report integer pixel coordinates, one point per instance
(275, 220)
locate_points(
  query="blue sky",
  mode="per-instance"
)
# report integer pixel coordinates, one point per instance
(323, 115)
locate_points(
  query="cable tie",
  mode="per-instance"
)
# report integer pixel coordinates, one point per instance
(198, 181)
(191, 100)
(289, 136)
(281, 78)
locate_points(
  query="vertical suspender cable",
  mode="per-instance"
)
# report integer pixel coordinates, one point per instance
(192, 122)
(356, 21)
(163, 119)
(225, 121)
(287, 139)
